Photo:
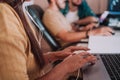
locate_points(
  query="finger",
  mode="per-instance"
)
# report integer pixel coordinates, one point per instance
(89, 59)
(65, 54)
(73, 48)
(110, 30)
(107, 34)
(84, 54)
(68, 57)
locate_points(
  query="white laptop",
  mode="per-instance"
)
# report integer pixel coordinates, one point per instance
(104, 44)
(108, 65)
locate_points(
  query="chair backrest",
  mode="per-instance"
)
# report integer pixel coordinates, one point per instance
(36, 14)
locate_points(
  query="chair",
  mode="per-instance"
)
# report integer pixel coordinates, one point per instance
(36, 13)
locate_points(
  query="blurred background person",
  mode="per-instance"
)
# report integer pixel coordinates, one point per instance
(78, 12)
(61, 29)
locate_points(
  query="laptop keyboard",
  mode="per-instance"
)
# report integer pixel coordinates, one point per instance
(112, 64)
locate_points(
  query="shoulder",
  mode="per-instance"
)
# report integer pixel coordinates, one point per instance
(10, 22)
(7, 12)
(52, 15)
(84, 3)
(48, 11)
(55, 21)
(4, 8)
(2, 5)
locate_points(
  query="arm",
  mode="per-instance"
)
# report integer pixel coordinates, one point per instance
(77, 36)
(60, 28)
(57, 73)
(60, 55)
(50, 57)
(71, 36)
(87, 20)
(67, 66)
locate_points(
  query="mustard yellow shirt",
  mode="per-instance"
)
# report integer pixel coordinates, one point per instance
(16, 59)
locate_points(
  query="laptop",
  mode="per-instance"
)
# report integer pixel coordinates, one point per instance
(108, 65)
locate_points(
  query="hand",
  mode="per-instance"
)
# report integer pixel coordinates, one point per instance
(76, 26)
(89, 27)
(68, 51)
(74, 62)
(102, 31)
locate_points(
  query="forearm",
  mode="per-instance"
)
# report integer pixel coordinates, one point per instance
(72, 36)
(87, 20)
(57, 73)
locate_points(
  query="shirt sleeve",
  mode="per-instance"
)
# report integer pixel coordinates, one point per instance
(85, 10)
(55, 22)
(12, 46)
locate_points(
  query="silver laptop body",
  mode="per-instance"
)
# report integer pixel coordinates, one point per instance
(99, 71)
(96, 71)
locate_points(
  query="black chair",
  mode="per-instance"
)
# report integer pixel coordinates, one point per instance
(36, 14)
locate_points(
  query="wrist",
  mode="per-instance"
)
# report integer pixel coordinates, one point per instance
(61, 71)
(65, 67)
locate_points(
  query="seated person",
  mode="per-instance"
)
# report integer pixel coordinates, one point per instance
(20, 53)
(78, 12)
(62, 30)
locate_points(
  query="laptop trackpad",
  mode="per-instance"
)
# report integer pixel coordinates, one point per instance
(95, 72)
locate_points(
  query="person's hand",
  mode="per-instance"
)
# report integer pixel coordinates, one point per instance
(103, 31)
(88, 27)
(91, 26)
(74, 62)
(77, 27)
(68, 51)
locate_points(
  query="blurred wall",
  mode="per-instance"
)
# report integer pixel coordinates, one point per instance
(42, 3)
(98, 6)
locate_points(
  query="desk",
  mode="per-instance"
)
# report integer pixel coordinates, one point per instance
(117, 33)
